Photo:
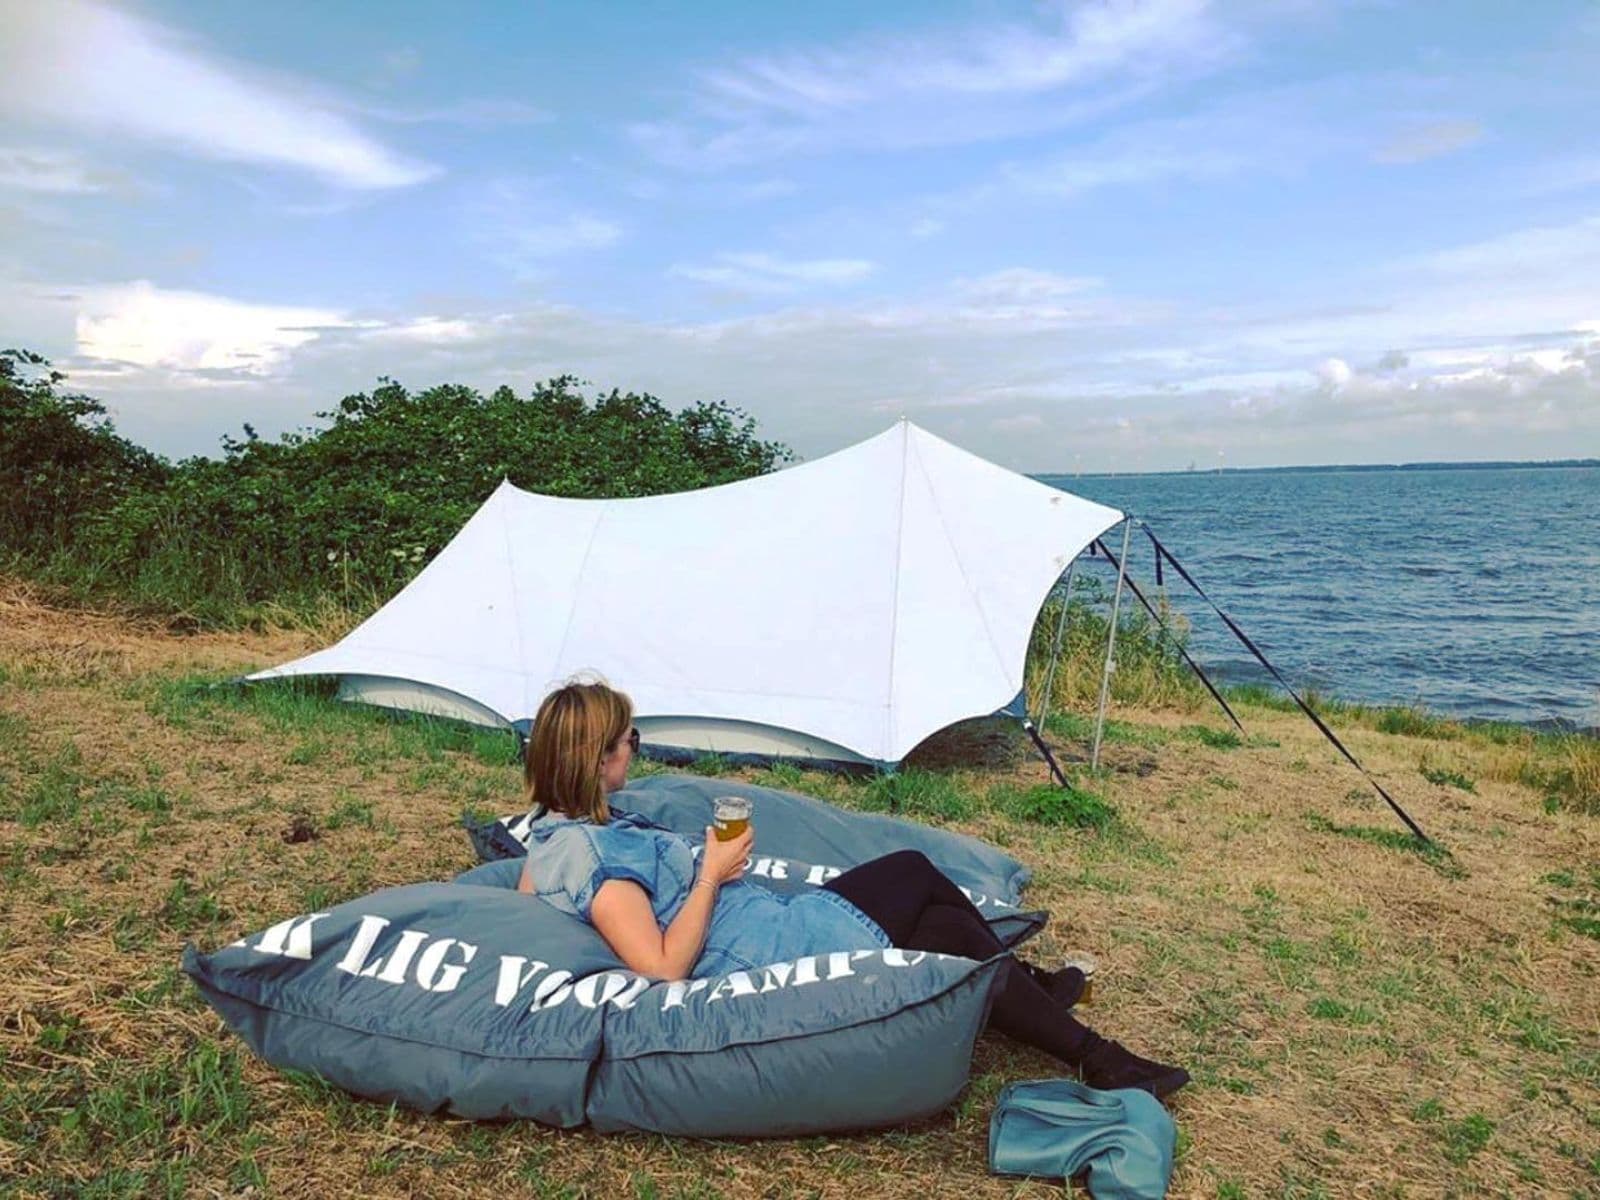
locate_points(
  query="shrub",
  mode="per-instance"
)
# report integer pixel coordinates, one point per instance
(351, 510)
(61, 460)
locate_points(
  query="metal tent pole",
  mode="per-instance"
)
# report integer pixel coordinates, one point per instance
(1111, 646)
(1055, 646)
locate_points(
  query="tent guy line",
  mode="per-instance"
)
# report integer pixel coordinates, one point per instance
(1244, 639)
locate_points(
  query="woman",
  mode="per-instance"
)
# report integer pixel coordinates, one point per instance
(664, 917)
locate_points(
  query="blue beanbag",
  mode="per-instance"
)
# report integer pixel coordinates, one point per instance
(486, 1003)
(802, 842)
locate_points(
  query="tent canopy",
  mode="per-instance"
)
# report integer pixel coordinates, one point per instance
(856, 603)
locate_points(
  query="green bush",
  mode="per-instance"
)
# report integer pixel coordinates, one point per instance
(61, 460)
(351, 510)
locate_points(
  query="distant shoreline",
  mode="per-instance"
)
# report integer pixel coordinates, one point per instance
(1331, 468)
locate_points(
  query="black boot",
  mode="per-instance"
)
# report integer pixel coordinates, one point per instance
(1109, 1065)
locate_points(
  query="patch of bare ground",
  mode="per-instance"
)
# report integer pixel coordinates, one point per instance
(1363, 1018)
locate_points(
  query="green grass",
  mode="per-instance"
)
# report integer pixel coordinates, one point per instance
(1051, 804)
(351, 810)
(930, 795)
(1581, 912)
(1435, 855)
(322, 724)
(1444, 778)
(188, 908)
(1217, 739)
(1325, 1008)
(1077, 727)
(1260, 695)
(139, 1127)
(1461, 1139)
(1414, 722)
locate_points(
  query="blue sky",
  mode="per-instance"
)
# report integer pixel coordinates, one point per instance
(1099, 235)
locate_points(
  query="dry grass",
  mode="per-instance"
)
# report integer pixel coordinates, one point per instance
(1362, 1019)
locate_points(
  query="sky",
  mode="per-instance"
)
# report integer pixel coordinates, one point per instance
(1101, 235)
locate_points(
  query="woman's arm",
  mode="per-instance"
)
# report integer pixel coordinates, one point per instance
(621, 912)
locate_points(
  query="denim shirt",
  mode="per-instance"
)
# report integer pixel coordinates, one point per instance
(751, 926)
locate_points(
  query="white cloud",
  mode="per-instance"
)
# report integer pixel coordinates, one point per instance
(54, 171)
(1019, 423)
(523, 223)
(141, 325)
(767, 274)
(1024, 285)
(563, 236)
(95, 69)
(1432, 139)
(764, 189)
(438, 331)
(1280, 132)
(1334, 373)
(1077, 42)
(1432, 363)
(960, 85)
(482, 112)
(1570, 174)
(1571, 247)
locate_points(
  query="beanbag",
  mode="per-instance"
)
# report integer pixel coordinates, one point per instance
(802, 842)
(482, 1002)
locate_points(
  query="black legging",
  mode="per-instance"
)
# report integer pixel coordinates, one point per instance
(920, 909)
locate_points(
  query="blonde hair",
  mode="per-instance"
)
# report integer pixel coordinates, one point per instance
(577, 724)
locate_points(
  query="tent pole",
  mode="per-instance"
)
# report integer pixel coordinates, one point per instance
(1044, 749)
(1055, 645)
(1111, 646)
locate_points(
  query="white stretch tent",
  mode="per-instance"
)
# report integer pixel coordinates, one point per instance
(844, 608)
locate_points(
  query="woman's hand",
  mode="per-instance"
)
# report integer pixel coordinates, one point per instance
(723, 862)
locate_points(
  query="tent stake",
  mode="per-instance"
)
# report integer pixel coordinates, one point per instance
(1111, 646)
(1055, 646)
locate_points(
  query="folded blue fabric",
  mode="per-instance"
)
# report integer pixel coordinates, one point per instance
(1058, 1127)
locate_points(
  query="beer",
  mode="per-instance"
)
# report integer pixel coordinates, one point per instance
(730, 816)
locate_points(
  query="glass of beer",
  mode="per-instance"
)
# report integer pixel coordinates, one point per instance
(730, 816)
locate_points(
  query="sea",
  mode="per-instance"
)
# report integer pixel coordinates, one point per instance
(1470, 591)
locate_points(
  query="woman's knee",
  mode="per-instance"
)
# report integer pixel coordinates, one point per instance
(909, 862)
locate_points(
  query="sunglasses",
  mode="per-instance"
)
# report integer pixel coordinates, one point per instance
(633, 739)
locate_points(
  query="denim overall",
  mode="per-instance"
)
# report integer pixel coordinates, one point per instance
(751, 926)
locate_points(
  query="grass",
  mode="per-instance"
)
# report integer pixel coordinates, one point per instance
(1149, 671)
(930, 795)
(309, 709)
(1051, 804)
(1580, 911)
(1444, 778)
(1217, 739)
(1565, 767)
(1260, 926)
(1078, 727)
(1432, 853)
